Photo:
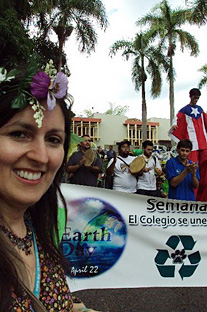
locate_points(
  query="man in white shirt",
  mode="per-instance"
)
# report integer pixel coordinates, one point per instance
(123, 180)
(146, 184)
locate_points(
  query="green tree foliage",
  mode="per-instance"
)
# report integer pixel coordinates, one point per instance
(197, 13)
(112, 110)
(14, 39)
(116, 110)
(41, 18)
(203, 81)
(70, 16)
(88, 112)
(148, 61)
(165, 24)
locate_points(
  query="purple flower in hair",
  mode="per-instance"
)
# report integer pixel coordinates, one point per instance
(57, 90)
(40, 84)
(42, 87)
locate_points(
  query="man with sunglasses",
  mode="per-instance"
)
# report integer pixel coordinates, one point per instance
(191, 123)
(80, 173)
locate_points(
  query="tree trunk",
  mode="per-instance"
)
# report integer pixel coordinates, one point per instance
(171, 91)
(60, 58)
(171, 96)
(144, 106)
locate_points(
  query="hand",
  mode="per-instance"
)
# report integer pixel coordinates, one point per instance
(195, 166)
(146, 169)
(192, 168)
(174, 127)
(158, 171)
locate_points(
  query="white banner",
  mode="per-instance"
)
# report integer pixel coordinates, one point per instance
(119, 240)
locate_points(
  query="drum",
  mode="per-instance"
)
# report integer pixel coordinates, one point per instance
(137, 165)
(89, 157)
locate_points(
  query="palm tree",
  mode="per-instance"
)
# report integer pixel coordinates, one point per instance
(60, 16)
(165, 24)
(147, 60)
(74, 16)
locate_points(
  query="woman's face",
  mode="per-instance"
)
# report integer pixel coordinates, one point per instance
(29, 157)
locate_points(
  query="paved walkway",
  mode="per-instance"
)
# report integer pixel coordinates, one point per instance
(146, 299)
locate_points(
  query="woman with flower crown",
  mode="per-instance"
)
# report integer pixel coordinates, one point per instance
(34, 139)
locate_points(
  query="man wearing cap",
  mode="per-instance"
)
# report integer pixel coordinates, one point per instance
(191, 123)
(146, 184)
(123, 180)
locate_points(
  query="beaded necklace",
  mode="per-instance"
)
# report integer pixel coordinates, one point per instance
(24, 243)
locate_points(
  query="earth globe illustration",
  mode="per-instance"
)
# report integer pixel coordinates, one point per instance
(95, 237)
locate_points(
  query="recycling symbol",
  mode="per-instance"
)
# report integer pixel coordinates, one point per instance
(182, 253)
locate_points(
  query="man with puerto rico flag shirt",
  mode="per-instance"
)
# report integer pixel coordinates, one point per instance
(191, 123)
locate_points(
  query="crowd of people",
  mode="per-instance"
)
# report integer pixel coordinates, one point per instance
(114, 172)
(182, 177)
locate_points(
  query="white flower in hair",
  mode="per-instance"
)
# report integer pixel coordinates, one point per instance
(50, 70)
(4, 76)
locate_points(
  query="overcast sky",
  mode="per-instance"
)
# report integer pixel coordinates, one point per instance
(98, 79)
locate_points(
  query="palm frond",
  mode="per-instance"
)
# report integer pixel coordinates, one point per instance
(188, 41)
(137, 74)
(85, 35)
(203, 81)
(203, 69)
(122, 45)
(198, 13)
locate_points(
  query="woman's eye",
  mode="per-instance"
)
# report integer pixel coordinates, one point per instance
(55, 140)
(18, 134)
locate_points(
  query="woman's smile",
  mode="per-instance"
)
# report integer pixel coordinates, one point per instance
(28, 175)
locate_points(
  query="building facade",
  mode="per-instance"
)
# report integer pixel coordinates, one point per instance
(134, 132)
(107, 130)
(90, 126)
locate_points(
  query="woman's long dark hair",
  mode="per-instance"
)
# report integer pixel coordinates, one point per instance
(43, 213)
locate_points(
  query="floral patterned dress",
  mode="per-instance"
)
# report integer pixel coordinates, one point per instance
(54, 291)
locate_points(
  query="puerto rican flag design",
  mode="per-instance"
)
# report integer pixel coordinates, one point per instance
(191, 122)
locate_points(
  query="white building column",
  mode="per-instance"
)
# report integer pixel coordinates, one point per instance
(150, 137)
(157, 138)
(128, 132)
(135, 129)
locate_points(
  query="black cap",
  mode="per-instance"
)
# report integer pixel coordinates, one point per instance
(123, 142)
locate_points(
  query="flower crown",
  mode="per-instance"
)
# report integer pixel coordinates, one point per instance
(46, 84)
